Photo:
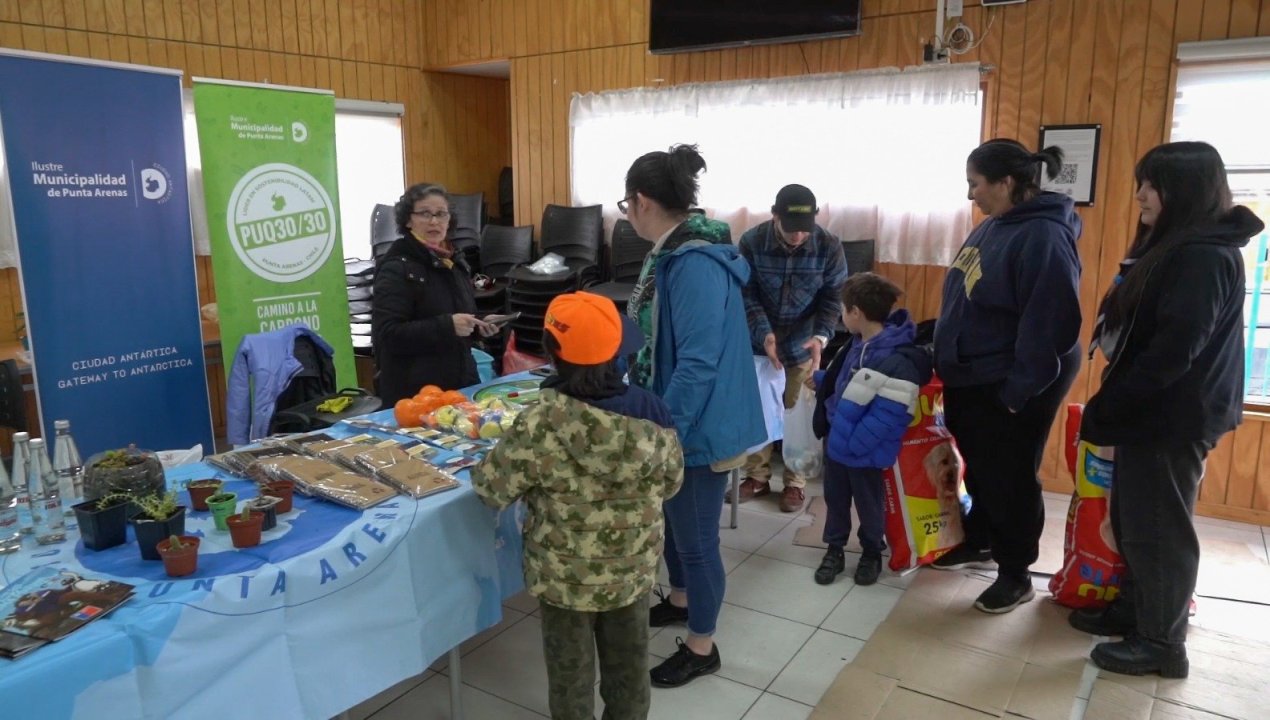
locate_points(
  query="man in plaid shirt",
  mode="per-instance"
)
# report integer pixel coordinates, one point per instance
(793, 301)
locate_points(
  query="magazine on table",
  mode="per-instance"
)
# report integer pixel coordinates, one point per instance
(47, 604)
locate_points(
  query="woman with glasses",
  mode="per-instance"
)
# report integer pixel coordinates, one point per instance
(688, 303)
(424, 308)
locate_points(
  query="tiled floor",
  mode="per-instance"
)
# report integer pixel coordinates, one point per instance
(783, 638)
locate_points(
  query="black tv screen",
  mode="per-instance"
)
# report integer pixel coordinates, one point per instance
(680, 25)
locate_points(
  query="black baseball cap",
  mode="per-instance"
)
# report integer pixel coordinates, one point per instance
(796, 208)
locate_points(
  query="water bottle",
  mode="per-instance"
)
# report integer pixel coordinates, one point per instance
(21, 453)
(10, 530)
(46, 503)
(68, 467)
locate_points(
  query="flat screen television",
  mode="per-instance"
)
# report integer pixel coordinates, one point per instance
(682, 25)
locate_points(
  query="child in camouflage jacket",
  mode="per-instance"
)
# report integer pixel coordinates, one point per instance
(594, 460)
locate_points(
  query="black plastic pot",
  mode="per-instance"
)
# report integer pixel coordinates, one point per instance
(101, 529)
(150, 532)
(266, 505)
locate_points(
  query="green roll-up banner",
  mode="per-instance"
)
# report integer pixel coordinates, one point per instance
(268, 156)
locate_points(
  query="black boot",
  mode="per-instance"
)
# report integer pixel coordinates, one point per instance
(684, 666)
(1114, 619)
(1136, 655)
(831, 566)
(868, 570)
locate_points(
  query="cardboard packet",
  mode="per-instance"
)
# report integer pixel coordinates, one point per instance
(343, 451)
(325, 479)
(404, 469)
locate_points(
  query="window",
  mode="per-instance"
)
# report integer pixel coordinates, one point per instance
(884, 151)
(370, 169)
(1223, 98)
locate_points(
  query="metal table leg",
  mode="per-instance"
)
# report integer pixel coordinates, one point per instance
(456, 686)
(736, 494)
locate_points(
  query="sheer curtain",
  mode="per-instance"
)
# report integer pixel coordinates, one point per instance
(884, 151)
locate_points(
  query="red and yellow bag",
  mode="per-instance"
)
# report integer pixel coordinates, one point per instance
(925, 491)
(1092, 566)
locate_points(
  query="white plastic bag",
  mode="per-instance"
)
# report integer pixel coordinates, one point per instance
(771, 391)
(803, 453)
(176, 458)
(548, 264)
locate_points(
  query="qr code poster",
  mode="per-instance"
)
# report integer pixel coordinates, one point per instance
(1079, 172)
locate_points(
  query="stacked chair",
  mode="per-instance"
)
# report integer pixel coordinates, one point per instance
(626, 252)
(469, 216)
(860, 258)
(359, 275)
(502, 249)
(577, 235)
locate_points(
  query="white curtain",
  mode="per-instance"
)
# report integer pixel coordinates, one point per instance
(884, 151)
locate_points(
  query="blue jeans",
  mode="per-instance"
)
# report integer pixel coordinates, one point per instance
(692, 546)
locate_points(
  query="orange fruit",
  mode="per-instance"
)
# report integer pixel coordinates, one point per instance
(429, 391)
(453, 397)
(407, 412)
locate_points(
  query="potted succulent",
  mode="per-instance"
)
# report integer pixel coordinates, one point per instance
(159, 518)
(103, 523)
(222, 504)
(200, 491)
(180, 555)
(266, 505)
(283, 489)
(244, 528)
(128, 470)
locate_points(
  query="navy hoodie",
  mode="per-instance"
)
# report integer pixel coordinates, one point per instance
(1011, 303)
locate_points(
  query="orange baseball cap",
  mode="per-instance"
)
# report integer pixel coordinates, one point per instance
(590, 330)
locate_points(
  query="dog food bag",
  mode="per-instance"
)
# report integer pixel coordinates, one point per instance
(1092, 566)
(925, 494)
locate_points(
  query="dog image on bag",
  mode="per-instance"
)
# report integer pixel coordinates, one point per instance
(943, 467)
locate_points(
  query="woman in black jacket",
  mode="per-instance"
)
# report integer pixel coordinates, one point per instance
(1171, 328)
(424, 308)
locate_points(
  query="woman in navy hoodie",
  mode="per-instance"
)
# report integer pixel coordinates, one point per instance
(1171, 328)
(1007, 349)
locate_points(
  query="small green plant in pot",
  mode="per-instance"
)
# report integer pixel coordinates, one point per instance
(200, 491)
(159, 518)
(222, 504)
(103, 523)
(244, 528)
(180, 555)
(126, 470)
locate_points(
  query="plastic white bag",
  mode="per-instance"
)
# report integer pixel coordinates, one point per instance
(803, 453)
(176, 458)
(548, 264)
(771, 391)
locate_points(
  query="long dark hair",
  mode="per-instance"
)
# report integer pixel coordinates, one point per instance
(581, 381)
(1003, 158)
(1190, 178)
(406, 205)
(670, 178)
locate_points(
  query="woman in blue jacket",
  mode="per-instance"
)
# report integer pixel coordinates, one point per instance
(1007, 349)
(688, 303)
(1171, 328)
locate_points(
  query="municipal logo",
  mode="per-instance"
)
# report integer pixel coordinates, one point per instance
(156, 184)
(281, 222)
(299, 131)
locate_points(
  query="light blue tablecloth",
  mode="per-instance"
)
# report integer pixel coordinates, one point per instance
(334, 606)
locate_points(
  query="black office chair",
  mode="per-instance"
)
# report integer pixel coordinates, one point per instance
(310, 387)
(12, 397)
(627, 252)
(576, 234)
(383, 231)
(506, 197)
(503, 248)
(860, 255)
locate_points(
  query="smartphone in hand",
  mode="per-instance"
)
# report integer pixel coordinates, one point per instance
(500, 321)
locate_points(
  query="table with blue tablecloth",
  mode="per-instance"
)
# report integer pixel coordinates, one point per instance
(334, 606)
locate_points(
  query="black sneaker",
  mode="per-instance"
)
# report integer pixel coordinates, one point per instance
(664, 613)
(684, 666)
(964, 556)
(867, 572)
(1007, 593)
(831, 566)
(1116, 618)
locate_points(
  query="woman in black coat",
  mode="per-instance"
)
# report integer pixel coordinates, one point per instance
(424, 309)
(1171, 328)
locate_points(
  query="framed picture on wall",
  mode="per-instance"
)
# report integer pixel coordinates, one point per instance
(1078, 177)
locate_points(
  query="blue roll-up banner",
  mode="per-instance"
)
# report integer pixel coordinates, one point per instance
(95, 157)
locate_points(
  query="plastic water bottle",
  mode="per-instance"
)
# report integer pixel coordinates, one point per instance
(46, 503)
(21, 453)
(10, 530)
(68, 467)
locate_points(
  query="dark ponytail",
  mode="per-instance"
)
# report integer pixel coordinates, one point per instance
(670, 178)
(1002, 158)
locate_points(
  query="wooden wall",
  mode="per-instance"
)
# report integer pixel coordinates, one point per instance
(1057, 61)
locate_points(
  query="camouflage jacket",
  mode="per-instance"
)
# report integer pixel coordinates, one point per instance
(594, 483)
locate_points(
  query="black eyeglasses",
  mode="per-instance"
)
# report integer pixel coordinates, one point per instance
(426, 215)
(624, 204)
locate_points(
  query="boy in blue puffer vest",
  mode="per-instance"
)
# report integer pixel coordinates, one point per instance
(864, 403)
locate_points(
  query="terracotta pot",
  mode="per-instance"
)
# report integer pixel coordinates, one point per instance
(200, 491)
(284, 489)
(245, 533)
(222, 509)
(179, 563)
